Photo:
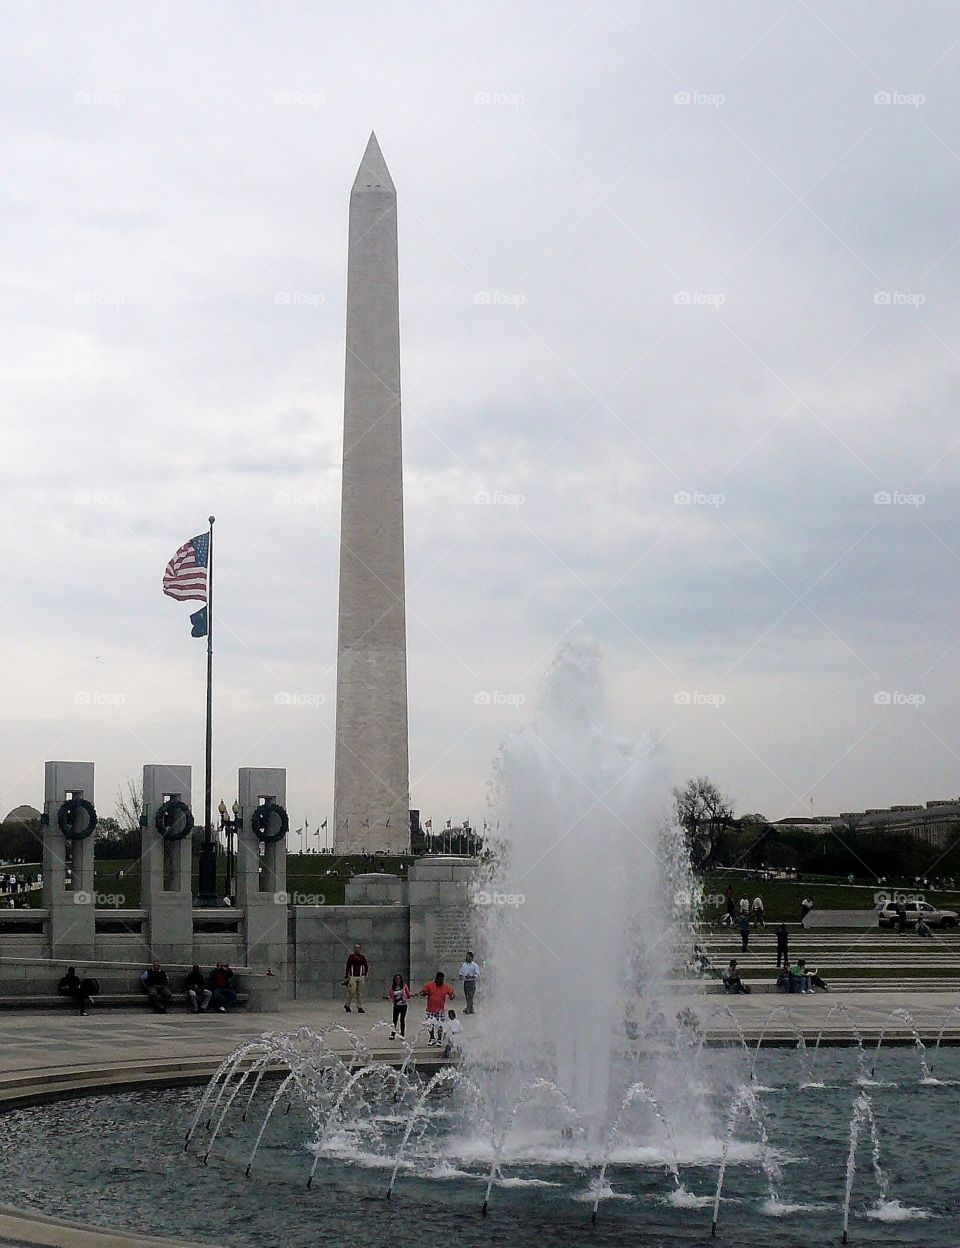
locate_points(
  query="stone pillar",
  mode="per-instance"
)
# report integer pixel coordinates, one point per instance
(262, 869)
(441, 916)
(166, 889)
(71, 904)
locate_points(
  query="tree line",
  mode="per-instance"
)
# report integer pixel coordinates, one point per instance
(716, 838)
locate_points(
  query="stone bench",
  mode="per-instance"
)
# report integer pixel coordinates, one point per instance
(25, 982)
(103, 1000)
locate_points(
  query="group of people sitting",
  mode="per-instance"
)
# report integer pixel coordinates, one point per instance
(217, 989)
(796, 978)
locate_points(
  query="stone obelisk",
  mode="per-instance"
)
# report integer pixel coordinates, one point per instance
(371, 778)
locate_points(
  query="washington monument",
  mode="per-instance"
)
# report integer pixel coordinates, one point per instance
(371, 771)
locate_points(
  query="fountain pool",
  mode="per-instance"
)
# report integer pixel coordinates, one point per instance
(119, 1161)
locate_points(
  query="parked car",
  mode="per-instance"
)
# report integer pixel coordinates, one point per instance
(887, 914)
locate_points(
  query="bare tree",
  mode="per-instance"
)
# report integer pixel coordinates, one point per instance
(129, 805)
(705, 814)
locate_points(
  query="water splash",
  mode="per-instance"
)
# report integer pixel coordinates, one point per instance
(588, 843)
(907, 1017)
(745, 1100)
(840, 1008)
(793, 1026)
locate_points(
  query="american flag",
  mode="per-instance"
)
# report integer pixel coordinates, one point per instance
(185, 576)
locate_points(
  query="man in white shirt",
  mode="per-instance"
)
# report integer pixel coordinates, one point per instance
(469, 974)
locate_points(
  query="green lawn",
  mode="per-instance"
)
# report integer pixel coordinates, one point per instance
(312, 879)
(781, 898)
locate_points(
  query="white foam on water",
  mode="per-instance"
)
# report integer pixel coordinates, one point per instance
(681, 1198)
(777, 1208)
(893, 1211)
(513, 1180)
(444, 1170)
(595, 1192)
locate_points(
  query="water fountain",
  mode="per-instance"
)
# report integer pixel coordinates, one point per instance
(590, 1067)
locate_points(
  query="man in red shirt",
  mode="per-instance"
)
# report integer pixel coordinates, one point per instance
(354, 977)
(437, 994)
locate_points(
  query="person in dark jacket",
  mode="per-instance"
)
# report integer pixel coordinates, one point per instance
(157, 986)
(81, 990)
(221, 983)
(783, 940)
(198, 994)
(744, 931)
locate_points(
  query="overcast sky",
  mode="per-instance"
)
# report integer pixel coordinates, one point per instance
(678, 297)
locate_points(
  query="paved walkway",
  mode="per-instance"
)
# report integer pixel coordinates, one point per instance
(47, 1040)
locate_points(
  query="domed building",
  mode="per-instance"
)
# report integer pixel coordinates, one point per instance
(22, 814)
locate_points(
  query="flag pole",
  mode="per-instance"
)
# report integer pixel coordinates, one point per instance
(207, 875)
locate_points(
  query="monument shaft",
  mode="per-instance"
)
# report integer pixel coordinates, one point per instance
(371, 778)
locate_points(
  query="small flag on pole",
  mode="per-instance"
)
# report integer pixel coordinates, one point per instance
(185, 578)
(324, 824)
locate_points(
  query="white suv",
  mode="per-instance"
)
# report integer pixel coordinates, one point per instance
(887, 914)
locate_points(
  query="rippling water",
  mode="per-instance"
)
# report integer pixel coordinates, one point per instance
(119, 1161)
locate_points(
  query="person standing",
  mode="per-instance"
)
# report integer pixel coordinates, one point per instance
(744, 931)
(454, 1030)
(354, 977)
(783, 940)
(731, 905)
(805, 907)
(758, 912)
(399, 997)
(437, 994)
(469, 974)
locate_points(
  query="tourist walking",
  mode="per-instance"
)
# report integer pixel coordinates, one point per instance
(731, 905)
(744, 931)
(437, 993)
(399, 997)
(354, 978)
(758, 914)
(901, 917)
(198, 994)
(157, 986)
(783, 940)
(469, 974)
(805, 907)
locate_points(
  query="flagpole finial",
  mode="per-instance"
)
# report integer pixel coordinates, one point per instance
(211, 518)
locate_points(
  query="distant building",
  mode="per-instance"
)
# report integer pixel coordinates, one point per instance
(22, 814)
(935, 823)
(813, 823)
